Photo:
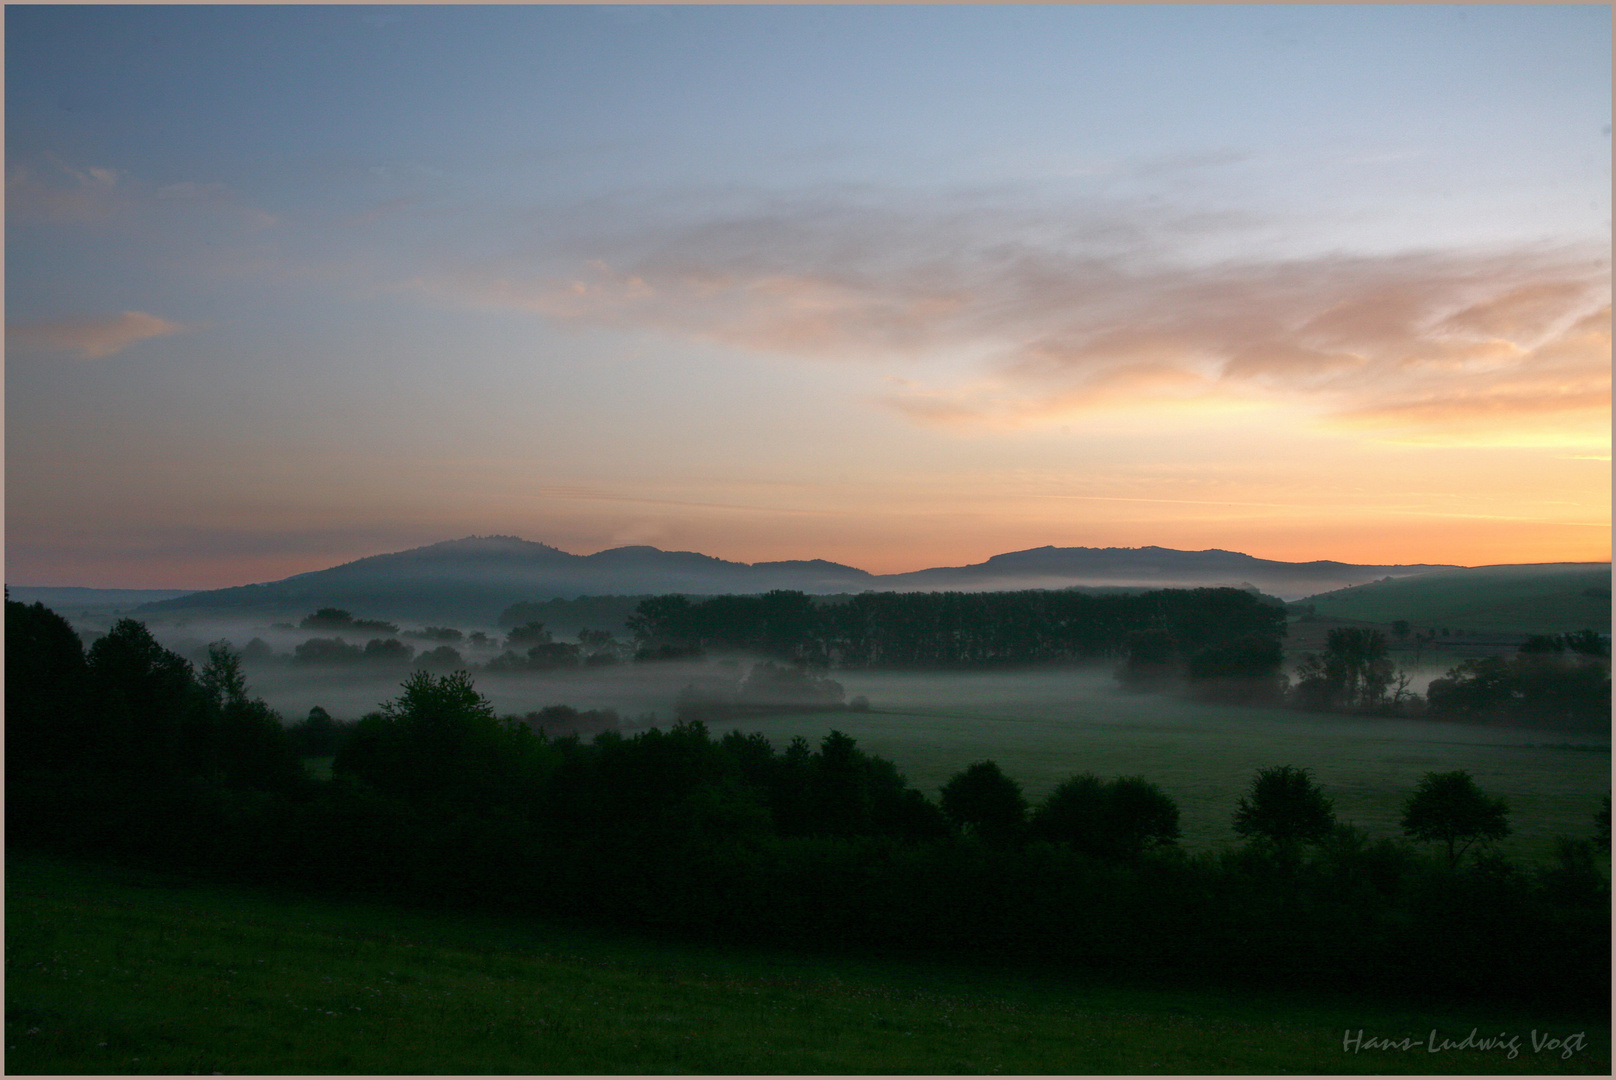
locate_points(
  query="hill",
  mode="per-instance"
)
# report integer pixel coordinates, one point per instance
(68, 599)
(1541, 598)
(475, 579)
(1145, 567)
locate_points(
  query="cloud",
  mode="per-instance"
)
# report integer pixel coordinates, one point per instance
(50, 191)
(92, 339)
(62, 194)
(1088, 308)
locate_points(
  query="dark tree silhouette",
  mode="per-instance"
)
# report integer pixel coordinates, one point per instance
(443, 658)
(1285, 806)
(1449, 808)
(327, 651)
(144, 704)
(316, 735)
(253, 748)
(1353, 671)
(222, 678)
(327, 618)
(983, 800)
(531, 633)
(45, 723)
(1118, 819)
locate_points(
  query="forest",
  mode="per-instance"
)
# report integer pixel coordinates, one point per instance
(130, 751)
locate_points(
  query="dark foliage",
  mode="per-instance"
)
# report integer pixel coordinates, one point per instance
(1286, 807)
(327, 651)
(443, 659)
(317, 734)
(436, 633)
(436, 801)
(46, 722)
(963, 630)
(557, 721)
(1118, 819)
(1449, 808)
(986, 803)
(338, 619)
(1353, 672)
(1551, 682)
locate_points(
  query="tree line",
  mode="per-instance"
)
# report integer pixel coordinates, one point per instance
(1220, 644)
(1560, 681)
(130, 752)
(1211, 633)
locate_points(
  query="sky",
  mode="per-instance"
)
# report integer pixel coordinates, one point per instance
(897, 287)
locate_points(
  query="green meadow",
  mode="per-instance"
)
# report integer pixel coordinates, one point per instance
(110, 970)
(1548, 598)
(1042, 727)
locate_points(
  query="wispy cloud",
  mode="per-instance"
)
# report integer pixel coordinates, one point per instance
(95, 338)
(51, 191)
(55, 193)
(1095, 308)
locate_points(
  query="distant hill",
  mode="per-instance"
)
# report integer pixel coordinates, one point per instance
(475, 579)
(72, 598)
(1148, 567)
(1535, 598)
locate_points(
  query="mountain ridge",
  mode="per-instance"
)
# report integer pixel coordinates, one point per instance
(475, 577)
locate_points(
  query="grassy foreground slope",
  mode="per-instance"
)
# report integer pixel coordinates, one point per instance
(1542, 598)
(116, 971)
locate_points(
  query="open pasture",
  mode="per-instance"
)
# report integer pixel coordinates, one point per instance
(1042, 727)
(1547, 598)
(118, 971)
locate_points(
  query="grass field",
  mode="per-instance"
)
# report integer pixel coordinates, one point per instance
(1043, 727)
(116, 971)
(1551, 598)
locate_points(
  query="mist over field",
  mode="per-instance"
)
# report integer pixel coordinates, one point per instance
(1041, 726)
(1113, 491)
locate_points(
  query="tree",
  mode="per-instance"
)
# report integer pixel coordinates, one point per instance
(222, 679)
(1354, 670)
(1286, 807)
(440, 742)
(1449, 808)
(443, 658)
(252, 748)
(44, 693)
(530, 632)
(143, 703)
(984, 800)
(328, 618)
(1118, 819)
